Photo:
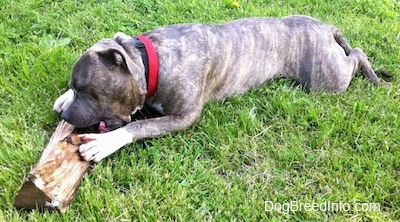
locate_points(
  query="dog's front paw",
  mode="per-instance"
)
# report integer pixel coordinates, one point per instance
(64, 101)
(98, 146)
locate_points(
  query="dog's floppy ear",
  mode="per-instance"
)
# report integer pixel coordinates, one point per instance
(133, 62)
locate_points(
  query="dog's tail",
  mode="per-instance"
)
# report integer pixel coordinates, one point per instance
(365, 65)
(342, 41)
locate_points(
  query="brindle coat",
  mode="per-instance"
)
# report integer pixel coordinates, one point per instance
(199, 62)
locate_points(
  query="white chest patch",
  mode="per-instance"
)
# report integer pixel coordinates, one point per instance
(157, 106)
(136, 109)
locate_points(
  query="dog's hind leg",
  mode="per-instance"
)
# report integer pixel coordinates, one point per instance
(359, 58)
(361, 63)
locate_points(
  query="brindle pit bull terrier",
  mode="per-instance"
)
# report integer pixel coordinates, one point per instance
(197, 63)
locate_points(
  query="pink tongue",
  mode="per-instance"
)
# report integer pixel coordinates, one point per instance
(102, 127)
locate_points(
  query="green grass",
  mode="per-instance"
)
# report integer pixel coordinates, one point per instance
(275, 143)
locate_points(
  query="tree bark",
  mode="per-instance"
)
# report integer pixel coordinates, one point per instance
(55, 179)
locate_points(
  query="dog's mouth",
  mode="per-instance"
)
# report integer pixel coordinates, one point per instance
(107, 125)
(102, 127)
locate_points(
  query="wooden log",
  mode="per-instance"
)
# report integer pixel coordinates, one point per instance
(55, 179)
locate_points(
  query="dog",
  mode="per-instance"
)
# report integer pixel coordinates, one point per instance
(197, 63)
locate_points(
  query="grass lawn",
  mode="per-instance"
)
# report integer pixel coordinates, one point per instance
(275, 147)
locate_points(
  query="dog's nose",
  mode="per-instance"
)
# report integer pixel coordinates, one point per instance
(80, 116)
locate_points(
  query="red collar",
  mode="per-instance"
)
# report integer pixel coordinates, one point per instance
(150, 61)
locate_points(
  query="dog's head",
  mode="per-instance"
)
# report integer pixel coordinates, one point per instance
(108, 84)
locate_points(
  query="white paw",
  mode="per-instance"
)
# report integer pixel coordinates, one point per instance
(104, 144)
(64, 101)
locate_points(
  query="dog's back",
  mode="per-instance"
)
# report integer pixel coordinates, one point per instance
(246, 53)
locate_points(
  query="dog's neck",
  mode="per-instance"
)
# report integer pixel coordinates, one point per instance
(150, 62)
